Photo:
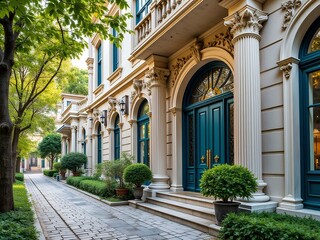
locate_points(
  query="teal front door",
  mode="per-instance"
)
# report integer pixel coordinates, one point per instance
(207, 123)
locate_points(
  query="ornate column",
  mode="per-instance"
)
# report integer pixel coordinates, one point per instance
(245, 25)
(73, 138)
(89, 143)
(156, 83)
(63, 146)
(90, 62)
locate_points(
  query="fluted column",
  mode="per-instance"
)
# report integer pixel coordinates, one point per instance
(73, 138)
(89, 143)
(63, 145)
(156, 83)
(89, 62)
(245, 26)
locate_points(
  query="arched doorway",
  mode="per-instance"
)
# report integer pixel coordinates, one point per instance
(310, 116)
(99, 144)
(144, 134)
(207, 122)
(116, 133)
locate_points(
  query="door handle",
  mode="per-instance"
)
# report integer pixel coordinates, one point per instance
(216, 158)
(202, 159)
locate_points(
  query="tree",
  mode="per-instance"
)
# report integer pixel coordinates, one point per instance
(27, 25)
(77, 81)
(50, 147)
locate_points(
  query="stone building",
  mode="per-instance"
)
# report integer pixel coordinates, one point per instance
(205, 82)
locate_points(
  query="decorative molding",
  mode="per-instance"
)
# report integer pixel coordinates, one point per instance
(149, 114)
(155, 77)
(178, 66)
(286, 66)
(196, 50)
(137, 85)
(286, 70)
(99, 90)
(120, 125)
(246, 22)
(90, 62)
(224, 41)
(174, 110)
(131, 122)
(290, 8)
(115, 75)
(96, 40)
(112, 101)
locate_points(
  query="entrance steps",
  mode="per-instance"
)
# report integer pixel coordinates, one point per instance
(188, 208)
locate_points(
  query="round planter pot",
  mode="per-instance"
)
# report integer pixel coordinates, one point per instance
(137, 193)
(223, 208)
(122, 191)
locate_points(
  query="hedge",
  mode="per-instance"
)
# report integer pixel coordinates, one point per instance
(75, 181)
(20, 177)
(269, 226)
(49, 173)
(18, 224)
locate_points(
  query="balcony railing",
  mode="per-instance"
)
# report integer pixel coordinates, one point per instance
(160, 10)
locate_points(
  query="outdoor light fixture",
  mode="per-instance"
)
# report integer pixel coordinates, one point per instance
(103, 117)
(124, 104)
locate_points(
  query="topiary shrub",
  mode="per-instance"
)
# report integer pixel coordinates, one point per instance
(49, 173)
(228, 182)
(137, 173)
(73, 161)
(20, 177)
(268, 226)
(75, 181)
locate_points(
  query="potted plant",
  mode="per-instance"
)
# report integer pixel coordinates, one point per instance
(226, 182)
(73, 161)
(137, 174)
(59, 168)
(115, 169)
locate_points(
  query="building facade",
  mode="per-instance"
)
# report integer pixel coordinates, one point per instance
(207, 82)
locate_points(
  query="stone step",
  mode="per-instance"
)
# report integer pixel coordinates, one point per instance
(195, 222)
(198, 211)
(197, 200)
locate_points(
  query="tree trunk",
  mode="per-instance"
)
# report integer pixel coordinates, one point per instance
(18, 164)
(15, 140)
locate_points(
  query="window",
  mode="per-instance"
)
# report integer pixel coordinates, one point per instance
(144, 134)
(115, 51)
(142, 9)
(116, 138)
(84, 146)
(99, 73)
(68, 103)
(310, 116)
(99, 144)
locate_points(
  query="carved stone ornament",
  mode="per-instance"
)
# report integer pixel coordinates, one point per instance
(289, 7)
(196, 50)
(155, 76)
(177, 67)
(112, 103)
(286, 70)
(137, 85)
(246, 22)
(223, 40)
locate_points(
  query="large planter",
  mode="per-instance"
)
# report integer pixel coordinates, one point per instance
(223, 208)
(137, 193)
(122, 191)
(63, 175)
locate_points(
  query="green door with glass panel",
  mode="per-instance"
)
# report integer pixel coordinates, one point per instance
(208, 122)
(310, 117)
(144, 134)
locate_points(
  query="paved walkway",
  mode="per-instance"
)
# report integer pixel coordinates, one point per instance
(65, 213)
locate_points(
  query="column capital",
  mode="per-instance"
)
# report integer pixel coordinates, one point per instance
(89, 62)
(156, 77)
(246, 22)
(73, 127)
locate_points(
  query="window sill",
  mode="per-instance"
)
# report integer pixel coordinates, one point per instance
(115, 75)
(98, 90)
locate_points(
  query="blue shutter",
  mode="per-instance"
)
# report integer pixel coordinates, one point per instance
(115, 59)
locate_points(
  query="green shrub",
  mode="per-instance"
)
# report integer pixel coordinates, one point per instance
(227, 182)
(73, 161)
(137, 173)
(268, 226)
(96, 187)
(75, 181)
(55, 175)
(20, 177)
(49, 173)
(18, 224)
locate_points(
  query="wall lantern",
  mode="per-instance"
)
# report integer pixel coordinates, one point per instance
(103, 117)
(124, 104)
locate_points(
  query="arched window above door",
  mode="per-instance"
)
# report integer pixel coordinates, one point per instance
(116, 138)
(315, 42)
(211, 82)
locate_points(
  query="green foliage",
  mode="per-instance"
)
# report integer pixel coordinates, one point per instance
(73, 161)
(50, 147)
(137, 173)
(49, 173)
(268, 226)
(20, 177)
(98, 171)
(75, 181)
(76, 81)
(57, 166)
(115, 169)
(18, 224)
(228, 182)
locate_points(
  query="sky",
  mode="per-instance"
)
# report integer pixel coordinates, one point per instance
(81, 62)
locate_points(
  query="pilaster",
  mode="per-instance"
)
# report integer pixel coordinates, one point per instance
(90, 62)
(245, 25)
(89, 143)
(73, 138)
(155, 81)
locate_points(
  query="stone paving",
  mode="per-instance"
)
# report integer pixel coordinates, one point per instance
(65, 213)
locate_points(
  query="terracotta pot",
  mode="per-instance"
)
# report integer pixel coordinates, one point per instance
(137, 193)
(122, 191)
(63, 175)
(76, 174)
(223, 208)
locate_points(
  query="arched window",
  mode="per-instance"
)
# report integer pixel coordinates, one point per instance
(310, 116)
(116, 138)
(99, 144)
(144, 134)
